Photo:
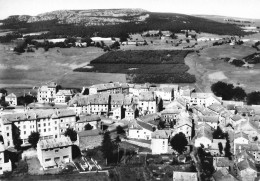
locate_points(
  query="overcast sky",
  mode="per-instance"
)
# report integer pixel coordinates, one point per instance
(235, 8)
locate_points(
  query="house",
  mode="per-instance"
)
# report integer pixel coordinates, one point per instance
(54, 152)
(247, 170)
(48, 122)
(203, 136)
(241, 138)
(47, 93)
(223, 174)
(210, 120)
(147, 103)
(185, 176)
(184, 125)
(136, 89)
(170, 115)
(243, 155)
(221, 162)
(83, 120)
(159, 142)
(5, 163)
(214, 147)
(63, 96)
(252, 148)
(91, 104)
(204, 99)
(131, 113)
(250, 128)
(185, 91)
(165, 93)
(113, 88)
(140, 130)
(11, 99)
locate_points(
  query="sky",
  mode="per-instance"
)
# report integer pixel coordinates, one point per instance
(234, 8)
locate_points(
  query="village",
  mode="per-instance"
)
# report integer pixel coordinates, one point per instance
(209, 137)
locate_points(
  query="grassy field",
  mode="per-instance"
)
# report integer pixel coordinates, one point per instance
(33, 69)
(154, 66)
(208, 68)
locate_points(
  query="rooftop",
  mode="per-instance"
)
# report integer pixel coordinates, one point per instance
(160, 134)
(88, 118)
(54, 143)
(12, 95)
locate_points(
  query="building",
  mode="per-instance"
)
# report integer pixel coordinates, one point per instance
(185, 176)
(47, 93)
(159, 142)
(214, 147)
(49, 123)
(54, 152)
(184, 125)
(5, 163)
(169, 116)
(247, 170)
(203, 136)
(131, 113)
(83, 120)
(63, 96)
(221, 162)
(113, 88)
(204, 99)
(11, 99)
(136, 89)
(147, 103)
(140, 130)
(165, 93)
(210, 120)
(223, 175)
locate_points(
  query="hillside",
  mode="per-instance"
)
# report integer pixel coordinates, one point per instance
(117, 22)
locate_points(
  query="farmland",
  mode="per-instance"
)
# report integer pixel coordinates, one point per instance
(154, 66)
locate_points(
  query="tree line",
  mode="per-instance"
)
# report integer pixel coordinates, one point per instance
(229, 92)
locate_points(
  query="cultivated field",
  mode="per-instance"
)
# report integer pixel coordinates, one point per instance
(33, 69)
(154, 66)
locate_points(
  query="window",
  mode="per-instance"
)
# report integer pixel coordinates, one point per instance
(24, 126)
(56, 136)
(56, 151)
(39, 130)
(47, 160)
(39, 125)
(64, 157)
(7, 128)
(49, 124)
(44, 124)
(61, 120)
(44, 130)
(55, 128)
(55, 122)
(7, 134)
(24, 132)
(49, 129)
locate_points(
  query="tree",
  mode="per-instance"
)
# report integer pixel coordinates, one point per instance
(3, 91)
(16, 137)
(179, 142)
(227, 149)
(253, 98)
(71, 133)
(239, 94)
(88, 127)
(161, 124)
(34, 138)
(222, 89)
(107, 147)
(120, 130)
(220, 147)
(218, 134)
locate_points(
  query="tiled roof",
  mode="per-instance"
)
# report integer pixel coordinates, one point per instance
(160, 134)
(236, 117)
(204, 132)
(55, 143)
(245, 155)
(149, 117)
(246, 164)
(117, 99)
(223, 175)
(216, 107)
(37, 114)
(170, 111)
(241, 134)
(107, 86)
(145, 125)
(64, 92)
(212, 119)
(12, 95)
(202, 95)
(146, 96)
(95, 99)
(222, 161)
(88, 118)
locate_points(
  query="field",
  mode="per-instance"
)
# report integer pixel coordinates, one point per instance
(208, 68)
(33, 69)
(154, 66)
